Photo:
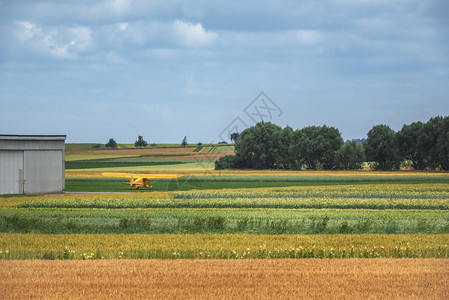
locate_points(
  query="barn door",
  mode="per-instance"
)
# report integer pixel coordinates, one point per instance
(44, 172)
(11, 172)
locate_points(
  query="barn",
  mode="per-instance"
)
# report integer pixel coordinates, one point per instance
(32, 164)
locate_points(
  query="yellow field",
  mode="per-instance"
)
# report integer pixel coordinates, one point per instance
(226, 279)
(91, 242)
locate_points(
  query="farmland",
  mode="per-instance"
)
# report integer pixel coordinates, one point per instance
(230, 215)
(367, 220)
(389, 209)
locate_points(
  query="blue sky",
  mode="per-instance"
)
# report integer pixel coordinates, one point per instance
(167, 69)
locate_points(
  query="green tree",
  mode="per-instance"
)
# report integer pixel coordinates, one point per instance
(112, 144)
(283, 152)
(296, 150)
(268, 146)
(140, 142)
(381, 148)
(412, 145)
(184, 142)
(443, 143)
(235, 136)
(225, 162)
(256, 146)
(351, 156)
(317, 146)
(436, 137)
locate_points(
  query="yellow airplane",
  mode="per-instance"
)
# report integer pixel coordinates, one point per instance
(140, 179)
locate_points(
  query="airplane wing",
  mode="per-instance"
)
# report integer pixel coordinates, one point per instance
(137, 176)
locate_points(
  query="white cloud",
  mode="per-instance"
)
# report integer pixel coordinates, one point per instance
(57, 42)
(27, 30)
(193, 35)
(129, 34)
(81, 39)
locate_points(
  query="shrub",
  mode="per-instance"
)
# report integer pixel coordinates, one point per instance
(225, 162)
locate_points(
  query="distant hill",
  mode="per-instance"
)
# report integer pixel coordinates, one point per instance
(70, 147)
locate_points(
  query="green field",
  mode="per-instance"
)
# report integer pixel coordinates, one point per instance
(238, 214)
(352, 209)
(129, 158)
(104, 219)
(101, 184)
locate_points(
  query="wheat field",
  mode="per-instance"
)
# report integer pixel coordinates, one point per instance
(230, 279)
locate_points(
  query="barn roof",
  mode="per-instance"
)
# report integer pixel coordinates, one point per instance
(32, 137)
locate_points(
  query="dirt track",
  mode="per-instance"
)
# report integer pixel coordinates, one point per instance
(232, 279)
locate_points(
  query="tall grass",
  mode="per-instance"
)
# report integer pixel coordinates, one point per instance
(260, 221)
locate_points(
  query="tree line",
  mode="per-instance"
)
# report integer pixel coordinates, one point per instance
(424, 146)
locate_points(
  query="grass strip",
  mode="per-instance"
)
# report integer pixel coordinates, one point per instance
(221, 221)
(188, 184)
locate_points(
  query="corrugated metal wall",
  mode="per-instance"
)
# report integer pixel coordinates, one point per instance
(32, 164)
(11, 172)
(43, 172)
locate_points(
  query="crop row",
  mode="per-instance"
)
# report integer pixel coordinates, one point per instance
(173, 246)
(332, 177)
(90, 242)
(266, 202)
(259, 221)
(259, 253)
(405, 191)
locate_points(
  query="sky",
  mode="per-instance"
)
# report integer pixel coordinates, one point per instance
(94, 70)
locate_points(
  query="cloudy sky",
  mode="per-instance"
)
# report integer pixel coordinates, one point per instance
(167, 69)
